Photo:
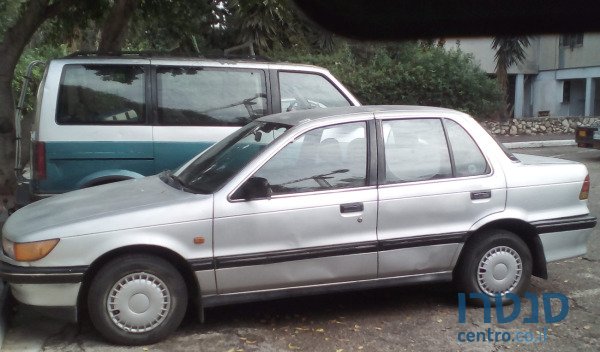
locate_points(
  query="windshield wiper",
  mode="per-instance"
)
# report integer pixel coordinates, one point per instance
(175, 181)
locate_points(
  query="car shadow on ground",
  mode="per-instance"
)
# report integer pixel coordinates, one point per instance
(317, 309)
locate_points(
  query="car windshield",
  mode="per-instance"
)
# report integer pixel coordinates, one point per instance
(213, 168)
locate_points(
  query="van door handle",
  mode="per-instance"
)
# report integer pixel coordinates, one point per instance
(481, 195)
(351, 207)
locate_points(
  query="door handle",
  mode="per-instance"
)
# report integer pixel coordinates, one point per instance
(481, 195)
(351, 207)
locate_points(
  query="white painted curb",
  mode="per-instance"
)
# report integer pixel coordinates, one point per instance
(540, 144)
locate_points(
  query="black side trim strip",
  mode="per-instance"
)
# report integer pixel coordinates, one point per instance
(565, 224)
(202, 264)
(419, 241)
(262, 258)
(294, 254)
(41, 275)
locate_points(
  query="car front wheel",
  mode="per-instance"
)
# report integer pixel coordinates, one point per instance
(496, 263)
(137, 299)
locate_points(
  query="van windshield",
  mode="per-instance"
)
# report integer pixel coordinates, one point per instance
(218, 164)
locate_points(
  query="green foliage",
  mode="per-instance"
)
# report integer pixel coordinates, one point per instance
(162, 25)
(509, 51)
(9, 10)
(41, 53)
(410, 73)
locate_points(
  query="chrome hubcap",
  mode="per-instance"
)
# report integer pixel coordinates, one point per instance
(138, 302)
(499, 271)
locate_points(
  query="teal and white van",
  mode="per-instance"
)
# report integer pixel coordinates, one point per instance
(106, 119)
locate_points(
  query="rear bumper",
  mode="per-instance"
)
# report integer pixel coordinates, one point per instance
(566, 237)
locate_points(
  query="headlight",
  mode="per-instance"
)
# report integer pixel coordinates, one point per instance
(28, 251)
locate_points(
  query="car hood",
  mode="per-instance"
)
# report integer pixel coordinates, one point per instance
(116, 206)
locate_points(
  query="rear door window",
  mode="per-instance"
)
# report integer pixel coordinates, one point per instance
(199, 96)
(415, 150)
(101, 94)
(302, 91)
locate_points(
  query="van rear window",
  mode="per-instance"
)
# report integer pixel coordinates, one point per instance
(101, 94)
(200, 96)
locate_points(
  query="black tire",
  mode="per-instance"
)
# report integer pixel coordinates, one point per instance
(506, 244)
(143, 280)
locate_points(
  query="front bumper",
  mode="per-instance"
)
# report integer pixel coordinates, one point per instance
(53, 289)
(41, 275)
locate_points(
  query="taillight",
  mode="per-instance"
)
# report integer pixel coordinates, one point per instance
(39, 160)
(585, 189)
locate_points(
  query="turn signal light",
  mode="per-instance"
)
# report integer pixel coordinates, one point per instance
(28, 251)
(585, 189)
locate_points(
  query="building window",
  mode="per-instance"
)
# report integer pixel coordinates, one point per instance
(571, 40)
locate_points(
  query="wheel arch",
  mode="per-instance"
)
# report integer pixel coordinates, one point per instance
(106, 176)
(172, 257)
(526, 232)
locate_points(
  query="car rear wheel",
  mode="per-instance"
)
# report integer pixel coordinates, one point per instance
(137, 299)
(496, 262)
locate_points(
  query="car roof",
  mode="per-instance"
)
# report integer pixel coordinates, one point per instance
(304, 116)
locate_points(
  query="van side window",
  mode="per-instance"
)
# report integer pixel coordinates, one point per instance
(302, 91)
(197, 96)
(101, 94)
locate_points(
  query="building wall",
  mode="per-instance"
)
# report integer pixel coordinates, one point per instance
(547, 66)
(481, 49)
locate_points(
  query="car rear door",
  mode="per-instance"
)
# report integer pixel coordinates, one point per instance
(435, 183)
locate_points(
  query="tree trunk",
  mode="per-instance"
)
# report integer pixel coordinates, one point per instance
(7, 145)
(502, 77)
(14, 40)
(115, 26)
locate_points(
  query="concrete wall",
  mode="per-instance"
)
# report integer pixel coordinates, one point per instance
(481, 48)
(544, 53)
(553, 56)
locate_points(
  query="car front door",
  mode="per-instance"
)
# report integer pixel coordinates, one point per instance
(319, 224)
(434, 185)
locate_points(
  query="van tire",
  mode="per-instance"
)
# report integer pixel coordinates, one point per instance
(137, 299)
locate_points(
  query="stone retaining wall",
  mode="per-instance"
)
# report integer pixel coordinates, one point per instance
(535, 126)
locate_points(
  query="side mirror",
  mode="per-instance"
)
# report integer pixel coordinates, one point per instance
(254, 188)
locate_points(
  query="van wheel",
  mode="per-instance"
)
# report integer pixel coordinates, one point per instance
(497, 262)
(137, 299)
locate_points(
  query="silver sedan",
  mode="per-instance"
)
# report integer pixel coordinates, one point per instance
(301, 203)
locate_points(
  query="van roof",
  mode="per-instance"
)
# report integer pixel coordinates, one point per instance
(166, 56)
